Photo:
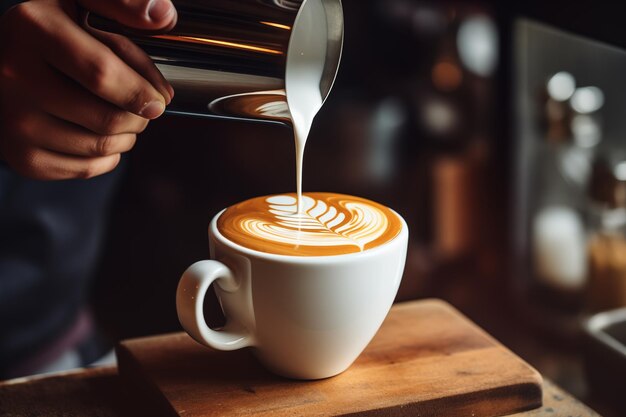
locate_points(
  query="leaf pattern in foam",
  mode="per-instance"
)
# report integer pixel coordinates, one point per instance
(347, 223)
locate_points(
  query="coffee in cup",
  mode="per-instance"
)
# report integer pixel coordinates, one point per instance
(328, 224)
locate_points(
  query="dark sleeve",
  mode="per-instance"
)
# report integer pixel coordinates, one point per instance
(7, 4)
(51, 234)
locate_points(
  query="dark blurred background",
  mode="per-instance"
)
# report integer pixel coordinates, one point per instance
(496, 131)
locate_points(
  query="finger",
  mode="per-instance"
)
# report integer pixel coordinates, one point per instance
(139, 14)
(21, 134)
(63, 98)
(42, 164)
(93, 65)
(47, 132)
(137, 59)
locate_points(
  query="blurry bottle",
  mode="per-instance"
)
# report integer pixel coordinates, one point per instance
(558, 229)
(606, 288)
(559, 241)
(558, 234)
(455, 118)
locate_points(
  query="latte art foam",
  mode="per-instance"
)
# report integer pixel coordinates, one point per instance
(328, 224)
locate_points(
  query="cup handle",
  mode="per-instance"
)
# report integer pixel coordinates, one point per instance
(190, 295)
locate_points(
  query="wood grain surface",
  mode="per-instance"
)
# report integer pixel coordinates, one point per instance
(98, 392)
(427, 359)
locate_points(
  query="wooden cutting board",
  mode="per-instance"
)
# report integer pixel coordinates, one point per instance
(426, 360)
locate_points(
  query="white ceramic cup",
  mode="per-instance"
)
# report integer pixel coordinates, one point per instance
(304, 317)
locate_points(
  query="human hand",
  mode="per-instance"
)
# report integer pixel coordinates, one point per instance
(72, 100)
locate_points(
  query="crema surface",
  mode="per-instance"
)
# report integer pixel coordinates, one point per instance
(329, 224)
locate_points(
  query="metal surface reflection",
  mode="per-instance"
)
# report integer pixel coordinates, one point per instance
(217, 42)
(224, 55)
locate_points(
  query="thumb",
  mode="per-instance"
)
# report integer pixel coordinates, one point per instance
(137, 14)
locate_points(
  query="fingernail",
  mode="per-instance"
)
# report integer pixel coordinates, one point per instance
(166, 95)
(160, 10)
(170, 90)
(152, 110)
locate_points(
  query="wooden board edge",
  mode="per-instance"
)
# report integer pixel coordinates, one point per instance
(150, 400)
(127, 343)
(468, 404)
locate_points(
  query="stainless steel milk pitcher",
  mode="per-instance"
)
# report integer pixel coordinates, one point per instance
(229, 58)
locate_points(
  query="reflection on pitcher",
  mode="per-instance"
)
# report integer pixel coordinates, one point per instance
(222, 51)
